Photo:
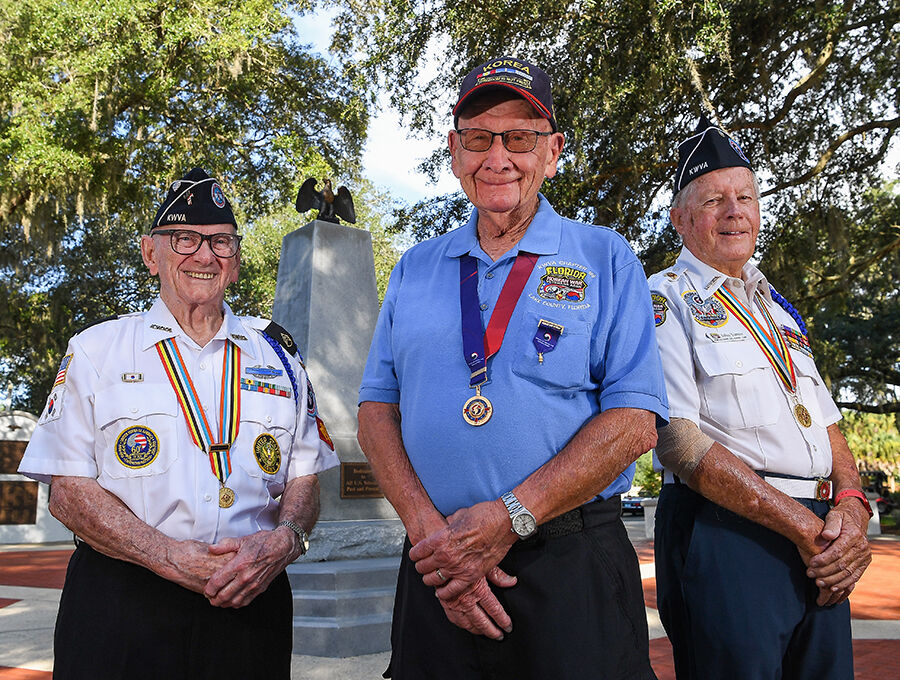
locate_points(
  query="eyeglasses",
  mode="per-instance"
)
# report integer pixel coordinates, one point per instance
(514, 141)
(188, 242)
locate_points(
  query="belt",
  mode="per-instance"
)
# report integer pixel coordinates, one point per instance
(574, 521)
(819, 488)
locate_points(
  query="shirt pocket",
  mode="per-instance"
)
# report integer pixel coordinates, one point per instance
(268, 424)
(737, 388)
(138, 425)
(566, 367)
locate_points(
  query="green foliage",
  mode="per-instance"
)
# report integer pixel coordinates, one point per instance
(874, 439)
(646, 477)
(102, 105)
(809, 88)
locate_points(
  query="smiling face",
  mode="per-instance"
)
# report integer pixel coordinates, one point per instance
(719, 218)
(189, 281)
(497, 180)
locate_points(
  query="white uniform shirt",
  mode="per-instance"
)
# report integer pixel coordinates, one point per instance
(718, 377)
(113, 380)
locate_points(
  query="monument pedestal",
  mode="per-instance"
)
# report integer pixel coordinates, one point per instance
(326, 298)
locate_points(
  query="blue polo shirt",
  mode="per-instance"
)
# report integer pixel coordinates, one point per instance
(587, 280)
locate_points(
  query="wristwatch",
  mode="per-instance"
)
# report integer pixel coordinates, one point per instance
(297, 529)
(523, 522)
(855, 493)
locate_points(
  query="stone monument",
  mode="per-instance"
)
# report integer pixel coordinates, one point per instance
(326, 298)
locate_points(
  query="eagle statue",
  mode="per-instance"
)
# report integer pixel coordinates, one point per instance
(330, 205)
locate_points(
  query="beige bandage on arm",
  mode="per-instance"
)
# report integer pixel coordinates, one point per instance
(680, 446)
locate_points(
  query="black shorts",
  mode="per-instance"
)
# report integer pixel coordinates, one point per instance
(119, 620)
(577, 612)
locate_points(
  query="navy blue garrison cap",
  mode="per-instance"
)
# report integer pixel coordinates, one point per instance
(709, 148)
(196, 198)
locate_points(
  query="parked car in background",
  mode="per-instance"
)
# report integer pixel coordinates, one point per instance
(632, 505)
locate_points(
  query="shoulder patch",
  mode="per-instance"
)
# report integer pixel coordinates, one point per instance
(283, 338)
(95, 323)
(660, 307)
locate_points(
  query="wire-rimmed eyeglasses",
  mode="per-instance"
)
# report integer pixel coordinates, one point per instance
(188, 241)
(514, 141)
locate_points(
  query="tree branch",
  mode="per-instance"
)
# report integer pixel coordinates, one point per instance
(893, 407)
(889, 124)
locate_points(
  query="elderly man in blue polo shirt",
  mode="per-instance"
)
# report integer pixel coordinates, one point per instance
(513, 379)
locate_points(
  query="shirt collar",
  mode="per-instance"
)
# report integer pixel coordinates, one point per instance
(160, 324)
(541, 238)
(706, 280)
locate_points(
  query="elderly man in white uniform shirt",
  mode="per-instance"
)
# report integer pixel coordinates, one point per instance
(182, 445)
(761, 523)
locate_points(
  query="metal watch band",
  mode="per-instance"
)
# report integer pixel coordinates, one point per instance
(301, 534)
(512, 503)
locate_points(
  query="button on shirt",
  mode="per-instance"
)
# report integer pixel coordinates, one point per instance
(115, 417)
(718, 377)
(587, 280)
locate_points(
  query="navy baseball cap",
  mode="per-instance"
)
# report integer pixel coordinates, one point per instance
(196, 198)
(524, 78)
(709, 148)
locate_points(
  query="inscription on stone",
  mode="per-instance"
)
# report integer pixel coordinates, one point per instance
(357, 481)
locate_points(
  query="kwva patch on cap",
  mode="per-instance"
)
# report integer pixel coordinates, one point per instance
(196, 198)
(524, 78)
(709, 148)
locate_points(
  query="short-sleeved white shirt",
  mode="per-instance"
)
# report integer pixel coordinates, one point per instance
(718, 377)
(114, 416)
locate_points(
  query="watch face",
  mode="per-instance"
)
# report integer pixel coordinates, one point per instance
(524, 524)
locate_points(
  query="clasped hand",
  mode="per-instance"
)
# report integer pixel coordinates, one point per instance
(461, 558)
(844, 554)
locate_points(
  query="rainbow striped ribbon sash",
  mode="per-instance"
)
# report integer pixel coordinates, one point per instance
(771, 343)
(218, 448)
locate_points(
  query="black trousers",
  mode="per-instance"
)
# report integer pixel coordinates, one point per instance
(577, 612)
(735, 599)
(119, 620)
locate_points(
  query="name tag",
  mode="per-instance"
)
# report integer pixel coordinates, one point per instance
(727, 337)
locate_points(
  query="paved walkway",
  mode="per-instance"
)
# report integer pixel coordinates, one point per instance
(31, 578)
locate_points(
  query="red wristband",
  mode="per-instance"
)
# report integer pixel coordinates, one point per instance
(856, 494)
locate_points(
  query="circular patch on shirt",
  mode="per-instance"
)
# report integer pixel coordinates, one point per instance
(137, 447)
(217, 196)
(710, 313)
(267, 453)
(660, 306)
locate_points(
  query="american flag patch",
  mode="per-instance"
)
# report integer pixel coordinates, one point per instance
(63, 367)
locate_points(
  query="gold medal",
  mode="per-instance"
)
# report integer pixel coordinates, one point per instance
(802, 415)
(226, 497)
(478, 409)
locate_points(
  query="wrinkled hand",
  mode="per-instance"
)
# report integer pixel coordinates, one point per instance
(191, 564)
(477, 610)
(256, 560)
(472, 543)
(841, 564)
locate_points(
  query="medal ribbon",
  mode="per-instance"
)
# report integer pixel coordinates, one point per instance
(478, 345)
(772, 345)
(217, 448)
